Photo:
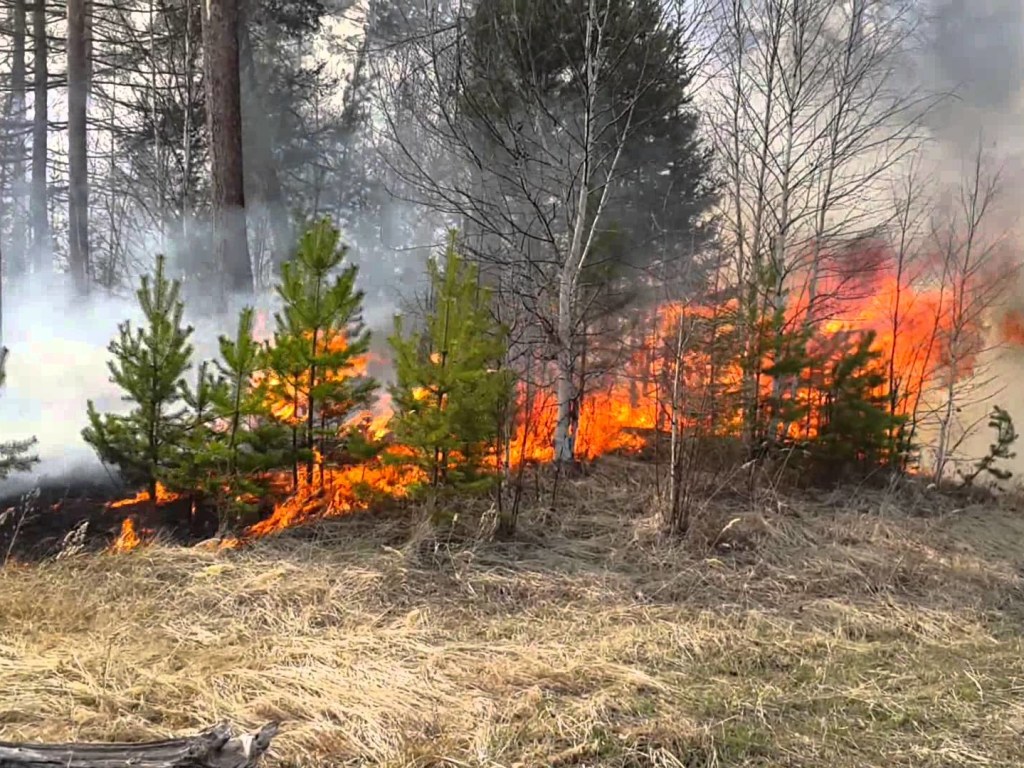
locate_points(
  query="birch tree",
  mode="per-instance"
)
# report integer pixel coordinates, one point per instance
(809, 120)
(973, 275)
(913, 323)
(522, 121)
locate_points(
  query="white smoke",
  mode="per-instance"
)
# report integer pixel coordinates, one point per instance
(58, 360)
(59, 355)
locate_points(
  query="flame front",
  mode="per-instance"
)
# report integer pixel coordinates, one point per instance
(629, 400)
(911, 324)
(343, 490)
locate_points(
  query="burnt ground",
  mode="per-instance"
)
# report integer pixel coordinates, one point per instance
(35, 521)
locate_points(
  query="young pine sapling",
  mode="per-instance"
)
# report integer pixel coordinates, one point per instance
(318, 344)
(449, 388)
(149, 363)
(1006, 435)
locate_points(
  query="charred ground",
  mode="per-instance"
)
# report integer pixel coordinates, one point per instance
(37, 519)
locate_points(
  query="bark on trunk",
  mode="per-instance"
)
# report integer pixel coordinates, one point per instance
(17, 255)
(213, 748)
(224, 119)
(264, 183)
(78, 169)
(42, 258)
(565, 386)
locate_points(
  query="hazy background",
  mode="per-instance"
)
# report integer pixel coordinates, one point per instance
(58, 353)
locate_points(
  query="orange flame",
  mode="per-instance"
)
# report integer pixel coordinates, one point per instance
(630, 398)
(343, 490)
(290, 398)
(863, 293)
(163, 496)
(128, 539)
(1012, 327)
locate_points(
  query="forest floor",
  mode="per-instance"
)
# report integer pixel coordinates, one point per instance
(846, 629)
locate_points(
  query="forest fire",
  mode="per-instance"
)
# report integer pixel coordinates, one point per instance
(335, 491)
(632, 398)
(910, 323)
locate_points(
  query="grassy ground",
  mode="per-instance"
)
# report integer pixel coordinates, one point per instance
(845, 633)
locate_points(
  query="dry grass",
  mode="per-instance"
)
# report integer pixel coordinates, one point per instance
(843, 638)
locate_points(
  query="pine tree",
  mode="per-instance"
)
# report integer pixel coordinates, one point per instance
(149, 364)
(15, 455)
(449, 387)
(241, 401)
(231, 440)
(248, 441)
(318, 344)
(1006, 435)
(782, 411)
(856, 425)
(286, 371)
(191, 470)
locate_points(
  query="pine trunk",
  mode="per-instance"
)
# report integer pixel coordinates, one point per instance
(311, 418)
(42, 259)
(78, 159)
(224, 120)
(16, 256)
(263, 180)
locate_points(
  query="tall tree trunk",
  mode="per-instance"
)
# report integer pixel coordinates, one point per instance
(567, 419)
(263, 181)
(42, 258)
(17, 254)
(186, 133)
(78, 162)
(224, 120)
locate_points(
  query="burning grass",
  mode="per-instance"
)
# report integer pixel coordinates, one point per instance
(850, 637)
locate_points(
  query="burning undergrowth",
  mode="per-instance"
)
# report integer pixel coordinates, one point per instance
(675, 368)
(77, 513)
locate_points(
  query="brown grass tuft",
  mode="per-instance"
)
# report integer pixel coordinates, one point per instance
(841, 636)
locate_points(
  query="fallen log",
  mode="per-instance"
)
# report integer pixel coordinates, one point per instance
(215, 747)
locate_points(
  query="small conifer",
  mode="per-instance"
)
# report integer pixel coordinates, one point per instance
(856, 423)
(231, 440)
(450, 387)
(318, 343)
(15, 455)
(149, 363)
(1006, 435)
(190, 471)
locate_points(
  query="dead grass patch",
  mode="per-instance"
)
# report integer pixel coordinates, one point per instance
(845, 637)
